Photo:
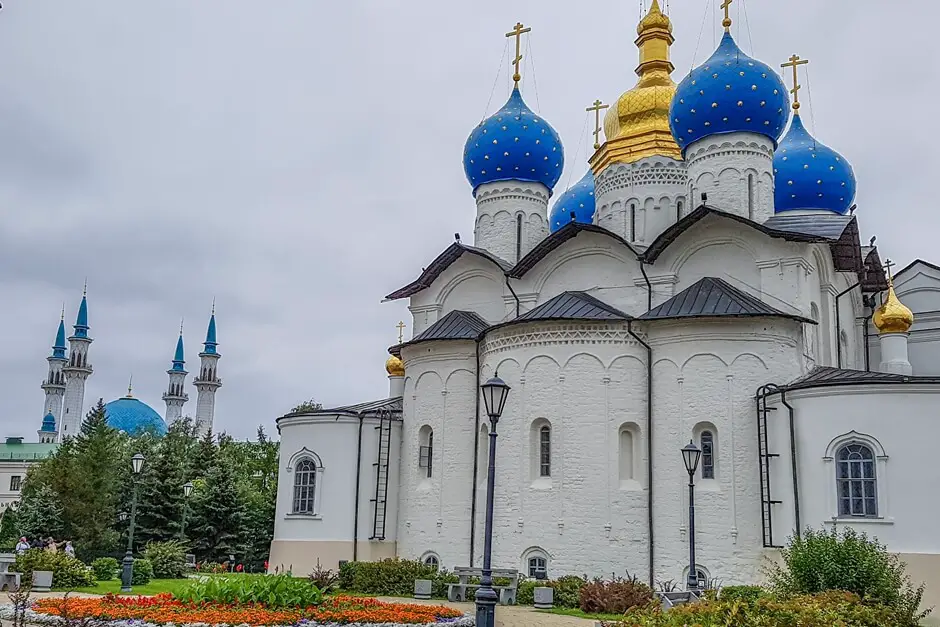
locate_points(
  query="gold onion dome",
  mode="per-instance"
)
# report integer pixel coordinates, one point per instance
(394, 367)
(637, 126)
(893, 316)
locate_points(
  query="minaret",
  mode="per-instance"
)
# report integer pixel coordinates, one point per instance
(893, 321)
(76, 371)
(54, 384)
(48, 433)
(175, 396)
(207, 382)
(396, 370)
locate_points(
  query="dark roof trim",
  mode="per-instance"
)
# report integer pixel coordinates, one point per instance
(569, 306)
(556, 239)
(456, 325)
(443, 261)
(825, 376)
(371, 408)
(846, 250)
(712, 297)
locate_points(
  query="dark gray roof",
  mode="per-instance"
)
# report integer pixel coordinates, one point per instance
(912, 264)
(372, 408)
(713, 297)
(573, 306)
(456, 325)
(441, 263)
(556, 239)
(825, 376)
(873, 276)
(840, 232)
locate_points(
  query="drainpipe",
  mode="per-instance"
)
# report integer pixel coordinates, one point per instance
(839, 323)
(513, 295)
(476, 456)
(358, 476)
(793, 464)
(649, 441)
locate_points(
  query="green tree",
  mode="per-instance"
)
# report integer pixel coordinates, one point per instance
(217, 518)
(306, 406)
(161, 498)
(40, 514)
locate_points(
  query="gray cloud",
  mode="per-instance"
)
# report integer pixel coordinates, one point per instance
(299, 160)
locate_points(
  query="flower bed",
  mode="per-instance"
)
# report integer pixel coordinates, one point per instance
(164, 609)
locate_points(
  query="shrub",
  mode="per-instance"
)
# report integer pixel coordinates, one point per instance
(615, 596)
(823, 560)
(105, 568)
(392, 577)
(142, 573)
(567, 591)
(67, 572)
(323, 578)
(747, 594)
(213, 568)
(272, 591)
(347, 575)
(525, 593)
(168, 559)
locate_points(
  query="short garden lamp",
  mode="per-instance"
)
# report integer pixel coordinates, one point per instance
(495, 391)
(188, 489)
(690, 456)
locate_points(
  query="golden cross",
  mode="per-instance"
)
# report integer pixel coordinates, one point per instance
(597, 120)
(888, 265)
(401, 329)
(795, 62)
(726, 5)
(517, 32)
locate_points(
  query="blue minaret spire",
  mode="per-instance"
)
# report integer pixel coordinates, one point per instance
(207, 381)
(178, 360)
(175, 396)
(81, 322)
(210, 343)
(58, 350)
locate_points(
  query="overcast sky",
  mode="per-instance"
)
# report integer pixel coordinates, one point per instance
(298, 160)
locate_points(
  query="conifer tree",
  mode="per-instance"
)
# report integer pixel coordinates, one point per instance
(160, 500)
(217, 513)
(40, 514)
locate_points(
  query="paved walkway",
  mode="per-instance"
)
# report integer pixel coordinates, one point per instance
(512, 615)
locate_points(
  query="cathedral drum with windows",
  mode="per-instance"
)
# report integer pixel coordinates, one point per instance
(703, 281)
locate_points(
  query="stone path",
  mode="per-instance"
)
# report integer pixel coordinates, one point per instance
(512, 615)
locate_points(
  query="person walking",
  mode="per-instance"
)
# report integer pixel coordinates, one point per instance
(22, 546)
(69, 549)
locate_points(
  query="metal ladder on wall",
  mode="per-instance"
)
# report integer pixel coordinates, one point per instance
(381, 476)
(764, 456)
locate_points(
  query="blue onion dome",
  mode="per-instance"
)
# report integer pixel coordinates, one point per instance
(134, 417)
(514, 144)
(810, 175)
(729, 93)
(48, 424)
(577, 199)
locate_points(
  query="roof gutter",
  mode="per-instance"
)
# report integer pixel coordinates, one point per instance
(476, 454)
(358, 477)
(649, 445)
(517, 305)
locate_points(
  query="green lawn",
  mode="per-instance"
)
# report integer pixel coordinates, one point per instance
(579, 614)
(156, 586)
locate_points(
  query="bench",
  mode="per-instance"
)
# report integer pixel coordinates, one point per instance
(9, 580)
(507, 594)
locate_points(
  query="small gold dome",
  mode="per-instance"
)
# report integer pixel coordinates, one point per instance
(394, 367)
(893, 316)
(637, 126)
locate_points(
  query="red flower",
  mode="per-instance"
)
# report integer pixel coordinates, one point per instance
(239, 568)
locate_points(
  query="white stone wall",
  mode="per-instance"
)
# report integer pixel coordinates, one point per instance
(499, 207)
(332, 442)
(736, 171)
(638, 201)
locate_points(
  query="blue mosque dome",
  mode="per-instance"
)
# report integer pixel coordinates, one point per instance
(730, 92)
(810, 175)
(513, 144)
(48, 424)
(134, 417)
(579, 200)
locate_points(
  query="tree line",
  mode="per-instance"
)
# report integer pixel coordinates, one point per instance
(79, 492)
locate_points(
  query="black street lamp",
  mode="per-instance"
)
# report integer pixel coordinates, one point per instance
(495, 391)
(690, 456)
(187, 491)
(127, 573)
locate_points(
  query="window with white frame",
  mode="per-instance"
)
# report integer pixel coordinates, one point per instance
(856, 481)
(545, 451)
(305, 485)
(426, 450)
(707, 440)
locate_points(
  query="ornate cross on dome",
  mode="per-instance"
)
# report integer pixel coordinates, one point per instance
(596, 108)
(726, 5)
(796, 62)
(401, 329)
(517, 32)
(888, 265)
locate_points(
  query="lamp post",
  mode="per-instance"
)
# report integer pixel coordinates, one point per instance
(127, 573)
(187, 491)
(495, 391)
(690, 456)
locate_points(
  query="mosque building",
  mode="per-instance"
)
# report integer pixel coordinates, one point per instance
(703, 281)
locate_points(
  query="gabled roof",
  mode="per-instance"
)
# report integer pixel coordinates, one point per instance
(909, 266)
(443, 261)
(873, 276)
(824, 376)
(556, 239)
(456, 325)
(573, 306)
(840, 232)
(714, 298)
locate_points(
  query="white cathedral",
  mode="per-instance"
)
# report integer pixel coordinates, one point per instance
(69, 368)
(704, 281)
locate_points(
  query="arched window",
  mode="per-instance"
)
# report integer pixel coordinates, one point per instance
(540, 451)
(856, 481)
(518, 237)
(632, 222)
(679, 210)
(431, 559)
(814, 338)
(426, 450)
(708, 455)
(750, 196)
(844, 349)
(545, 451)
(628, 435)
(305, 485)
(537, 566)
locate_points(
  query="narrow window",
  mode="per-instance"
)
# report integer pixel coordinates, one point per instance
(538, 567)
(518, 237)
(15, 482)
(626, 454)
(545, 451)
(305, 484)
(632, 222)
(708, 455)
(426, 450)
(678, 210)
(855, 476)
(750, 196)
